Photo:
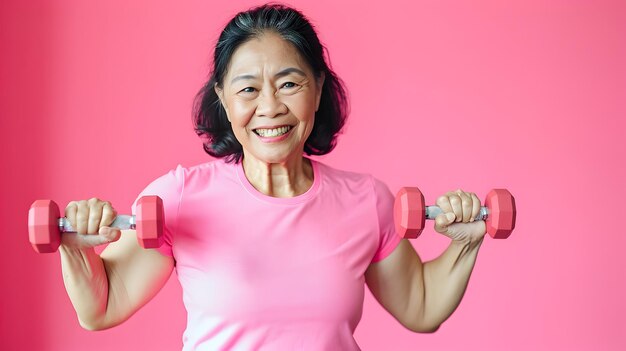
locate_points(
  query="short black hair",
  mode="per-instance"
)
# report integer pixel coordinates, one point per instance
(209, 116)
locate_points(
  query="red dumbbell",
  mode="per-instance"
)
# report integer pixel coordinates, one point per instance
(45, 224)
(410, 213)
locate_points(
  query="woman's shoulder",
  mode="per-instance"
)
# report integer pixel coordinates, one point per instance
(343, 176)
(355, 184)
(201, 168)
(197, 172)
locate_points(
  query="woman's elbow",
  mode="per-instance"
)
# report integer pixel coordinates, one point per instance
(428, 330)
(93, 326)
(89, 326)
(423, 328)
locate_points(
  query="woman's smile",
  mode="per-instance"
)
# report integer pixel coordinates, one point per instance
(273, 134)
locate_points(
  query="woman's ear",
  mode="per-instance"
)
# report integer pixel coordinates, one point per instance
(220, 95)
(319, 82)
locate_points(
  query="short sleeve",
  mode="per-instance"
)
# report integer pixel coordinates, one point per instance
(389, 239)
(169, 188)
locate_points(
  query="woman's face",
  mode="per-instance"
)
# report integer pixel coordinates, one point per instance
(270, 95)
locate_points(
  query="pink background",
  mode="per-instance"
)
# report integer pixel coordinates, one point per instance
(95, 100)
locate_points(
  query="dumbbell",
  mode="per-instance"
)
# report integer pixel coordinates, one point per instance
(410, 213)
(45, 224)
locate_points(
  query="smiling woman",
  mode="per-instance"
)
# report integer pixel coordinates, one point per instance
(289, 33)
(272, 248)
(270, 96)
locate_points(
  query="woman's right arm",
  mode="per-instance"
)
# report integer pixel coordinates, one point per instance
(107, 289)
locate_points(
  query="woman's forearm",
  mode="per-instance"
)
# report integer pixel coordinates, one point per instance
(86, 282)
(446, 278)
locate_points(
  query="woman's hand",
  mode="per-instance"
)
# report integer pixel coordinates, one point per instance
(457, 220)
(90, 218)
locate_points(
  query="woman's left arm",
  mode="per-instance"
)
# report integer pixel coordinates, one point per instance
(421, 296)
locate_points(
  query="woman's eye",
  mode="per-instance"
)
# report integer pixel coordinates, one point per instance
(248, 90)
(289, 85)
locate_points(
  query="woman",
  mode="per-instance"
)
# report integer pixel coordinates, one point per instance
(271, 247)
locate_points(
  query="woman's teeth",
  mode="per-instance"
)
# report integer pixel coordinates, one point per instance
(267, 133)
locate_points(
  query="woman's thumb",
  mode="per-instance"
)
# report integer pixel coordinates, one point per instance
(109, 234)
(442, 222)
(82, 241)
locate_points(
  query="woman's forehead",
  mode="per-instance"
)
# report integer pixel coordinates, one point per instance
(267, 54)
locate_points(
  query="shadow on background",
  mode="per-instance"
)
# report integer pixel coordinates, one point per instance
(24, 97)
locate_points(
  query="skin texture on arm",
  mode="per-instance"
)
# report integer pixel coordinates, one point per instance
(135, 274)
(398, 285)
(107, 289)
(421, 296)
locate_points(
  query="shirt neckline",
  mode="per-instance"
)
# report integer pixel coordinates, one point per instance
(306, 196)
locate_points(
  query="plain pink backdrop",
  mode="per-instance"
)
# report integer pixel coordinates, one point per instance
(95, 100)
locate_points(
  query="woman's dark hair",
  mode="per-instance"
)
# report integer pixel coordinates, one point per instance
(209, 116)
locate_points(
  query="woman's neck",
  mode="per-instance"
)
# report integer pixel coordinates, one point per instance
(286, 179)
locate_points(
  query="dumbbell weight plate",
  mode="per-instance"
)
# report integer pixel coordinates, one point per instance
(501, 220)
(43, 226)
(409, 213)
(149, 221)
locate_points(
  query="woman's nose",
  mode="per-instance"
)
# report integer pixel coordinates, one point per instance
(270, 105)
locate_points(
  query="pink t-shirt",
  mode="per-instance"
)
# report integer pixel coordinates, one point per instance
(265, 273)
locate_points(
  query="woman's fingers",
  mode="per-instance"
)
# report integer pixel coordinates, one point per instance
(444, 203)
(91, 219)
(82, 217)
(466, 205)
(108, 214)
(456, 203)
(459, 206)
(70, 213)
(475, 206)
(87, 216)
(95, 215)
(463, 205)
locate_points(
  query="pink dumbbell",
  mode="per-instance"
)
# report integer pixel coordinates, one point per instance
(45, 224)
(410, 213)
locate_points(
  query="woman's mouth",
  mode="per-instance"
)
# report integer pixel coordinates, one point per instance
(273, 135)
(273, 132)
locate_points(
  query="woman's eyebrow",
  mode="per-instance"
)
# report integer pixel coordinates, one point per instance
(285, 72)
(288, 71)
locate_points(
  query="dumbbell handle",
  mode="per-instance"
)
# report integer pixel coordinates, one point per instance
(120, 222)
(434, 211)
